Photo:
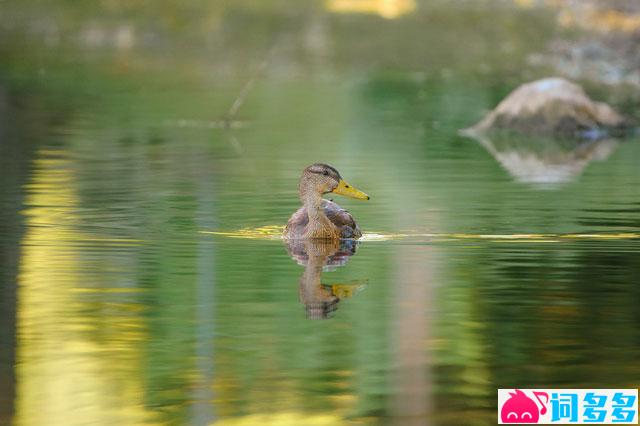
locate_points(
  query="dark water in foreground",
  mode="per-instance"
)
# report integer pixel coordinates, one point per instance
(142, 282)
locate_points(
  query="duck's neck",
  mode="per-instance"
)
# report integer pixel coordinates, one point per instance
(319, 225)
(312, 200)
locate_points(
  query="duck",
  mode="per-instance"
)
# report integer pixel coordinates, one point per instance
(319, 218)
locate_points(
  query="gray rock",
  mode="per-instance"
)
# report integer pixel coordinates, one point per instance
(550, 107)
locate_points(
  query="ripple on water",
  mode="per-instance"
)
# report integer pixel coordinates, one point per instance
(274, 232)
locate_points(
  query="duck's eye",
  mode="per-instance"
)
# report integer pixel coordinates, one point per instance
(326, 173)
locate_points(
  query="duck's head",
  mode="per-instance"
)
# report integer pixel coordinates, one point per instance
(323, 179)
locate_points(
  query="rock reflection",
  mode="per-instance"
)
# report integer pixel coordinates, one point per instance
(545, 161)
(321, 300)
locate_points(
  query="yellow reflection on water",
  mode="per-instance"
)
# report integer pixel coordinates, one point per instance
(274, 232)
(268, 232)
(66, 375)
(283, 419)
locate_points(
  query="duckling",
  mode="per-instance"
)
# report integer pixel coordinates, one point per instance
(320, 218)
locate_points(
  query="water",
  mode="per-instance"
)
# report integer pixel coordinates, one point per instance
(143, 281)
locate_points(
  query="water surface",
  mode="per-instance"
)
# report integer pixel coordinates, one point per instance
(142, 278)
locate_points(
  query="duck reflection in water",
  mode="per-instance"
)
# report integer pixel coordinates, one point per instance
(317, 256)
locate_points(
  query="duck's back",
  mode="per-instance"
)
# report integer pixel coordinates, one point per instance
(340, 217)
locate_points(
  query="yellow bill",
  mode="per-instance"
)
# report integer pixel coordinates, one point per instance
(347, 190)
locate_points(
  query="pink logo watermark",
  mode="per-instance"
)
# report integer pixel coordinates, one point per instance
(519, 408)
(568, 406)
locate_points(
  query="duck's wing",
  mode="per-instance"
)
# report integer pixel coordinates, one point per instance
(342, 219)
(297, 223)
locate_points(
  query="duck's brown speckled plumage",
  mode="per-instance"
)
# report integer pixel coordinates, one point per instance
(339, 217)
(320, 218)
